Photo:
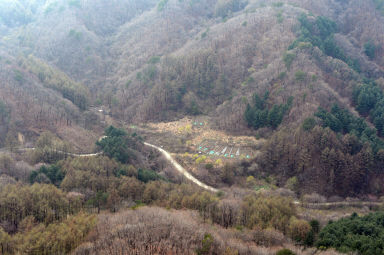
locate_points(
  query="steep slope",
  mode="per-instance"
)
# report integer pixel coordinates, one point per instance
(128, 51)
(42, 99)
(241, 56)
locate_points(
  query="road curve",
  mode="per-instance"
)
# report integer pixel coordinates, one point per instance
(66, 153)
(182, 169)
(165, 153)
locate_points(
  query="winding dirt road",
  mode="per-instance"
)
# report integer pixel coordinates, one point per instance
(168, 156)
(182, 169)
(66, 153)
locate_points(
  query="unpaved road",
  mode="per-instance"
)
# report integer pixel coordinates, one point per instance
(165, 153)
(182, 169)
(67, 153)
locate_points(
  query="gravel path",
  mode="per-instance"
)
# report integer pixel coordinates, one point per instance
(182, 169)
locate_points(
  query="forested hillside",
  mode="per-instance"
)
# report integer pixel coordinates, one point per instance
(279, 105)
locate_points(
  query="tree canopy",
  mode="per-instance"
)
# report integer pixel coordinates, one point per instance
(320, 33)
(362, 234)
(342, 121)
(118, 144)
(261, 115)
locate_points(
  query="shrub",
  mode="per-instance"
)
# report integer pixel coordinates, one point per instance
(193, 108)
(201, 159)
(282, 75)
(291, 183)
(315, 225)
(18, 76)
(206, 245)
(53, 173)
(147, 175)
(209, 166)
(154, 60)
(308, 124)
(268, 237)
(280, 17)
(288, 59)
(299, 229)
(370, 49)
(218, 162)
(300, 75)
(285, 252)
(251, 181)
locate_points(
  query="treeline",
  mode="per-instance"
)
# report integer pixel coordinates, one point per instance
(261, 115)
(364, 234)
(320, 33)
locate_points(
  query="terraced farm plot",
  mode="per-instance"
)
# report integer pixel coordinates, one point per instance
(200, 137)
(214, 148)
